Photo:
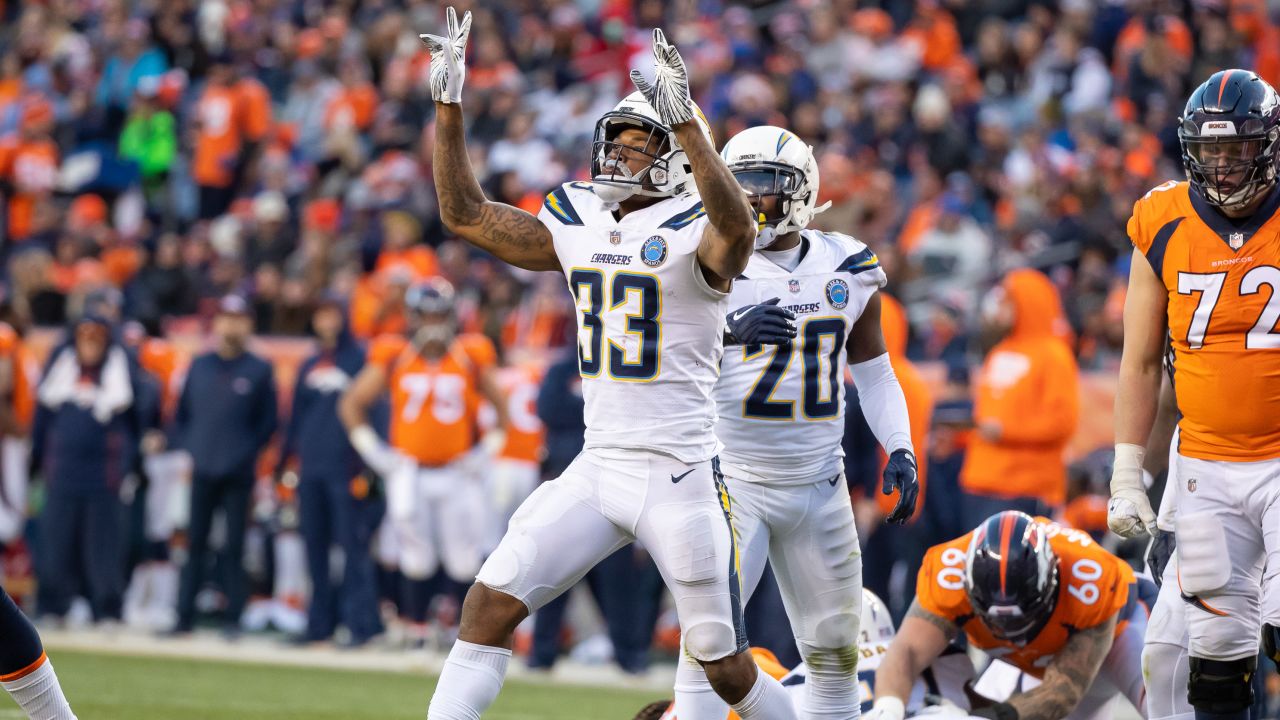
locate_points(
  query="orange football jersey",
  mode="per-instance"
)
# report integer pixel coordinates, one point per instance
(434, 403)
(22, 396)
(525, 431)
(168, 365)
(1093, 585)
(1223, 281)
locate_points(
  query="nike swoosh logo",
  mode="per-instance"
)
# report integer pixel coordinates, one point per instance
(834, 479)
(738, 315)
(677, 478)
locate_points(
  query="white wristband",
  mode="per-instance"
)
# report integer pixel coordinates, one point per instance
(891, 707)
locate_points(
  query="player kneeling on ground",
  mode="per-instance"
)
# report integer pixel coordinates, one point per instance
(1041, 597)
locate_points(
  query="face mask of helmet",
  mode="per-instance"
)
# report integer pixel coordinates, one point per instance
(771, 188)
(1230, 171)
(433, 329)
(611, 174)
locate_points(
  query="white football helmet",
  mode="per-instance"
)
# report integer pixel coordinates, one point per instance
(769, 160)
(668, 173)
(877, 625)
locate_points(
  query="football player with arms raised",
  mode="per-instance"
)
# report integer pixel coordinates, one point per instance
(650, 259)
(1043, 598)
(1206, 274)
(807, 307)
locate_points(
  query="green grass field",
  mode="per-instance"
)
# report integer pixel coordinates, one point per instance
(114, 687)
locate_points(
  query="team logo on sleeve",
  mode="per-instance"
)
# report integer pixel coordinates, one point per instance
(838, 293)
(654, 251)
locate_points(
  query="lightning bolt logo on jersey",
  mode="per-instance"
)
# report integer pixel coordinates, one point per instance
(646, 316)
(781, 409)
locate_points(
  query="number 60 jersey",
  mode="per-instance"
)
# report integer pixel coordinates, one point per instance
(1223, 281)
(1093, 585)
(782, 408)
(650, 328)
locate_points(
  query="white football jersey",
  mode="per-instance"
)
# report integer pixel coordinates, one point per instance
(650, 328)
(781, 409)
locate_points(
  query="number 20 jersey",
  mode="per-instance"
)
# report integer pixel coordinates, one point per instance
(1223, 284)
(650, 327)
(781, 409)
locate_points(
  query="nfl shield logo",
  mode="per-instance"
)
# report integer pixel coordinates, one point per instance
(615, 237)
(1235, 240)
(793, 286)
(1191, 484)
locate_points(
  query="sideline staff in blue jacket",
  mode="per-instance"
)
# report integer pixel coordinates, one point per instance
(225, 417)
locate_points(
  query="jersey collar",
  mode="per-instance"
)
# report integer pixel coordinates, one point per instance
(1239, 230)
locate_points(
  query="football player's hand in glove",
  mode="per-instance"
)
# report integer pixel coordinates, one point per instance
(1158, 553)
(763, 324)
(669, 93)
(886, 708)
(1129, 512)
(447, 69)
(900, 475)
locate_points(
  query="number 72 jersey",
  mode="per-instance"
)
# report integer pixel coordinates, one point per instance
(1093, 585)
(1223, 283)
(781, 409)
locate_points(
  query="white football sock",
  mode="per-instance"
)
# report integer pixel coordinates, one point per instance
(469, 682)
(38, 693)
(695, 699)
(831, 684)
(767, 700)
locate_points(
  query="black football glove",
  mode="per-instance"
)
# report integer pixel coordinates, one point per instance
(1158, 553)
(763, 324)
(900, 475)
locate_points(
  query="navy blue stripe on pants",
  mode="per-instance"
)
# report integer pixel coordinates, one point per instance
(231, 493)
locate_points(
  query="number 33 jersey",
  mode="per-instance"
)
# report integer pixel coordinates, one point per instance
(1093, 585)
(1223, 282)
(650, 327)
(781, 409)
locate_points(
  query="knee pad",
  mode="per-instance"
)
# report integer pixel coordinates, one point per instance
(1221, 686)
(837, 662)
(1202, 550)
(709, 640)
(836, 632)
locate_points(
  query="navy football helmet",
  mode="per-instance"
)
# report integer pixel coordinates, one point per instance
(431, 315)
(1230, 137)
(1011, 576)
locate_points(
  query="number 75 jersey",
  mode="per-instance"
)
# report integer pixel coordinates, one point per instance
(781, 409)
(1223, 283)
(1093, 585)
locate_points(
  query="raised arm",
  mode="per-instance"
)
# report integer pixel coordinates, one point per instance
(512, 235)
(730, 236)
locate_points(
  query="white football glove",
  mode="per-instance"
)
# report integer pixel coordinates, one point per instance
(377, 455)
(447, 69)
(886, 708)
(669, 93)
(1129, 513)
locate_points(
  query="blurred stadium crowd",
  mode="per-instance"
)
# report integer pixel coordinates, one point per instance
(157, 157)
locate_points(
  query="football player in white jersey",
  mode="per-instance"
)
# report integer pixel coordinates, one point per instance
(944, 680)
(781, 416)
(650, 259)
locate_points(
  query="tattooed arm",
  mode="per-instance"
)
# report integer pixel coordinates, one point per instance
(511, 234)
(921, 639)
(730, 236)
(1068, 676)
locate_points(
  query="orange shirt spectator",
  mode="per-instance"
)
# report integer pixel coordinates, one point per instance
(1027, 397)
(401, 238)
(29, 165)
(228, 115)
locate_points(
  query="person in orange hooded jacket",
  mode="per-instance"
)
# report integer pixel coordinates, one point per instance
(1026, 402)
